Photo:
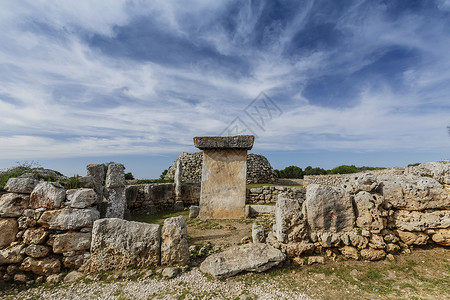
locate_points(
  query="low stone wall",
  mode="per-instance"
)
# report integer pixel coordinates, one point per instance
(269, 194)
(364, 216)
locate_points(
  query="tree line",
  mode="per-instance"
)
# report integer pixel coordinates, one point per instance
(297, 172)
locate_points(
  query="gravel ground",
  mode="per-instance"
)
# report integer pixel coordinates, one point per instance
(189, 285)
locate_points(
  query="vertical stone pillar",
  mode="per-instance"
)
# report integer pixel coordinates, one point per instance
(177, 179)
(115, 191)
(224, 171)
(97, 172)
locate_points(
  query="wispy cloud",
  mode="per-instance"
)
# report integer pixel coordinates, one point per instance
(130, 77)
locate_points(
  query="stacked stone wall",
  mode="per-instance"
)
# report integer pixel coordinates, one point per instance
(269, 194)
(366, 215)
(259, 169)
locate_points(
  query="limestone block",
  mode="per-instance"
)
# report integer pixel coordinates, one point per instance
(249, 257)
(11, 255)
(412, 192)
(72, 241)
(12, 205)
(328, 209)
(35, 235)
(365, 182)
(20, 185)
(439, 170)
(297, 249)
(115, 202)
(68, 218)
(349, 252)
(368, 212)
(73, 276)
(37, 251)
(413, 238)
(76, 261)
(118, 244)
(420, 221)
(260, 210)
(174, 247)
(43, 266)
(81, 198)
(290, 224)
(224, 142)
(258, 235)
(194, 211)
(372, 254)
(8, 231)
(115, 177)
(46, 195)
(377, 242)
(97, 171)
(131, 193)
(223, 189)
(392, 248)
(441, 236)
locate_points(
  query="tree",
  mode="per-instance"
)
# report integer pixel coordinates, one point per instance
(129, 176)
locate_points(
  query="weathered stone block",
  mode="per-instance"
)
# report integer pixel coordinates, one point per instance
(81, 198)
(35, 235)
(12, 205)
(174, 247)
(413, 238)
(349, 252)
(72, 241)
(8, 231)
(37, 251)
(20, 185)
(260, 210)
(290, 223)
(11, 255)
(258, 235)
(46, 195)
(244, 142)
(194, 211)
(43, 266)
(249, 257)
(115, 177)
(420, 221)
(116, 202)
(68, 218)
(441, 236)
(118, 244)
(76, 261)
(329, 209)
(368, 212)
(372, 254)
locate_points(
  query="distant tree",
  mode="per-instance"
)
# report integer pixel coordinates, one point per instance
(163, 174)
(314, 171)
(290, 172)
(344, 169)
(129, 176)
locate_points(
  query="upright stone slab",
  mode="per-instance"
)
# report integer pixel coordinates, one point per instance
(224, 172)
(115, 191)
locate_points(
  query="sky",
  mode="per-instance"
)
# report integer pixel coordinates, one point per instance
(319, 83)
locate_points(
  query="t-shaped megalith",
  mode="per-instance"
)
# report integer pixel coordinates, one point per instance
(224, 172)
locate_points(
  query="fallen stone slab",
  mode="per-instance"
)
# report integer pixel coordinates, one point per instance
(259, 210)
(249, 257)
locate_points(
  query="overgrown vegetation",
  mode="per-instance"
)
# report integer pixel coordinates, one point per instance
(297, 172)
(148, 181)
(73, 182)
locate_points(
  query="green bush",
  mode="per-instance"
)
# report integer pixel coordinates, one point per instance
(289, 172)
(129, 176)
(73, 182)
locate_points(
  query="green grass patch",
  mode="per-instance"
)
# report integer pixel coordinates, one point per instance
(158, 218)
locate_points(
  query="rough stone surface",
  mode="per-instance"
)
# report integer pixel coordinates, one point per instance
(439, 170)
(258, 235)
(174, 247)
(349, 252)
(37, 251)
(290, 224)
(372, 254)
(244, 142)
(11, 255)
(260, 210)
(223, 189)
(115, 177)
(12, 205)
(20, 185)
(81, 198)
(441, 236)
(46, 195)
(368, 212)
(170, 272)
(420, 221)
(116, 202)
(316, 260)
(413, 238)
(73, 276)
(118, 244)
(35, 235)
(194, 211)
(8, 231)
(297, 249)
(76, 261)
(248, 257)
(43, 266)
(71, 241)
(54, 278)
(329, 209)
(68, 218)
(178, 205)
(177, 180)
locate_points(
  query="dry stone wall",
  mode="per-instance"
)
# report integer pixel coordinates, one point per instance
(366, 215)
(269, 194)
(259, 169)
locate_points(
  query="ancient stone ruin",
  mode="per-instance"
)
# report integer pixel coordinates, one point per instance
(224, 170)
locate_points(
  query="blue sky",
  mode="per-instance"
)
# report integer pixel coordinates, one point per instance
(320, 83)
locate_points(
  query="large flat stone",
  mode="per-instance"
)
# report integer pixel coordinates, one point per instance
(12, 205)
(118, 244)
(8, 231)
(68, 218)
(290, 223)
(253, 257)
(72, 241)
(42, 266)
(174, 247)
(46, 195)
(420, 221)
(21, 185)
(81, 198)
(224, 142)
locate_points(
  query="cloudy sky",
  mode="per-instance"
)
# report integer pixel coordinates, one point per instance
(319, 83)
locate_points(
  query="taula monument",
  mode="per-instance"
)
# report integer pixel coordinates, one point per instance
(224, 170)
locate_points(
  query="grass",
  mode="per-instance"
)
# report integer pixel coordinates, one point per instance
(158, 218)
(260, 185)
